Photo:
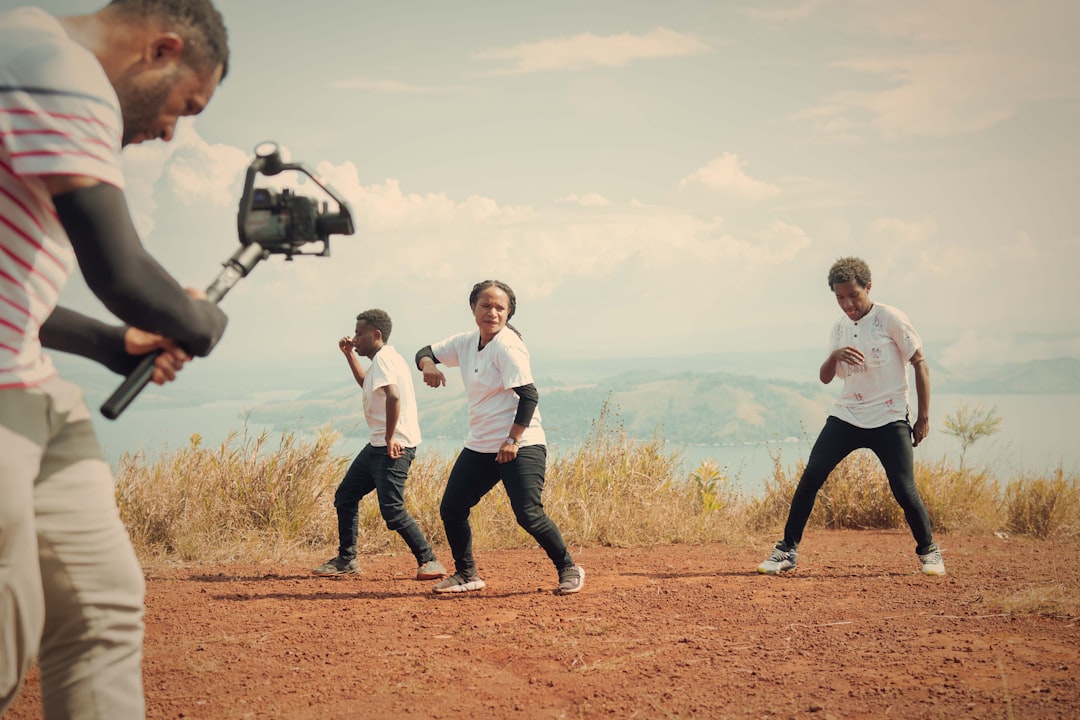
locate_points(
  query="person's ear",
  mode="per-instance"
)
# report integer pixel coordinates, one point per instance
(166, 49)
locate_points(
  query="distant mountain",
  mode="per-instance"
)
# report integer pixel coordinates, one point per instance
(707, 408)
(690, 400)
(1057, 376)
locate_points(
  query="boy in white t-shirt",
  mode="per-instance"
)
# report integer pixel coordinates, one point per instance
(870, 348)
(383, 464)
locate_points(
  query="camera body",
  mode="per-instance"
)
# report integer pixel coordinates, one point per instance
(283, 222)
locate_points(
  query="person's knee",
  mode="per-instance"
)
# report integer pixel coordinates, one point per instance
(530, 517)
(341, 501)
(395, 516)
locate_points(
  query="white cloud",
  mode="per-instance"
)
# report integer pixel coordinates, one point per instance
(726, 175)
(587, 200)
(143, 165)
(589, 50)
(196, 171)
(950, 69)
(779, 242)
(201, 173)
(391, 87)
(974, 349)
(779, 13)
(906, 232)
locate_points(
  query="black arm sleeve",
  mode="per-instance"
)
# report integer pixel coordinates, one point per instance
(425, 352)
(131, 284)
(528, 399)
(71, 332)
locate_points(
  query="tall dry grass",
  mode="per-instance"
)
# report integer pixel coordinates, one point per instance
(1044, 507)
(252, 498)
(239, 500)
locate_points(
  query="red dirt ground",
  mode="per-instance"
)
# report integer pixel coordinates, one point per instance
(668, 632)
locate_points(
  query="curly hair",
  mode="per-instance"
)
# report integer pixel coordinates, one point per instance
(197, 22)
(378, 319)
(484, 285)
(849, 269)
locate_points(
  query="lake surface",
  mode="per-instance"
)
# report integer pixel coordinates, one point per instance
(1037, 436)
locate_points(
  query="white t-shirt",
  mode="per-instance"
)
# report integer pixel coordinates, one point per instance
(488, 376)
(389, 368)
(876, 392)
(58, 115)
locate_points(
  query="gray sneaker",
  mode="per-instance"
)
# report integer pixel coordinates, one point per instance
(931, 562)
(338, 566)
(571, 580)
(431, 570)
(780, 561)
(458, 583)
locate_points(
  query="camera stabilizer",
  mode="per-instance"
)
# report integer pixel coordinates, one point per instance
(269, 223)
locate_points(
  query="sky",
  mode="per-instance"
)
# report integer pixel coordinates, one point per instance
(651, 178)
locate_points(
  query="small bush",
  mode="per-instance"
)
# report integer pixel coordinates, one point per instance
(1044, 507)
(959, 500)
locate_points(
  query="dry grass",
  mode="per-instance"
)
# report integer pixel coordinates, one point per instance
(248, 499)
(1051, 600)
(1044, 507)
(236, 501)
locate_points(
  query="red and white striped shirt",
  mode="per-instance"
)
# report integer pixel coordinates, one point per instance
(59, 115)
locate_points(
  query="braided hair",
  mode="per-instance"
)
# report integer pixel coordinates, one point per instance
(484, 285)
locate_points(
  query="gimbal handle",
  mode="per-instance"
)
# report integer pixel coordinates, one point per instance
(236, 267)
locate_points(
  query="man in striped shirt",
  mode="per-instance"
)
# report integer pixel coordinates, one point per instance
(74, 91)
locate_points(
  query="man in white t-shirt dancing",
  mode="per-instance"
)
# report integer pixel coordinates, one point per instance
(73, 92)
(871, 346)
(383, 464)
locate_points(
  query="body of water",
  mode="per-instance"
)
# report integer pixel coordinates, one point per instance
(1036, 436)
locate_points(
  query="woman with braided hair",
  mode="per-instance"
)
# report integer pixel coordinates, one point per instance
(505, 442)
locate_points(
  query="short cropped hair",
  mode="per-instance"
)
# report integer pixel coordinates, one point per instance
(849, 269)
(378, 319)
(197, 22)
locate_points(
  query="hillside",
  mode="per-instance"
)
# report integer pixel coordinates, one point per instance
(693, 407)
(687, 406)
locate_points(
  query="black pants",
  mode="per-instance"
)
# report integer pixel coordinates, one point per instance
(892, 445)
(374, 469)
(473, 475)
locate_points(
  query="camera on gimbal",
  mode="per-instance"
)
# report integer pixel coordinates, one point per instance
(269, 223)
(283, 222)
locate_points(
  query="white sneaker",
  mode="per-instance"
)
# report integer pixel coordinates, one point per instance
(932, 563)
(458, 583)
(780, 561)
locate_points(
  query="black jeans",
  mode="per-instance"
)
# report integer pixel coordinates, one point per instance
(374, 469)
(892, 445)
(473, 475)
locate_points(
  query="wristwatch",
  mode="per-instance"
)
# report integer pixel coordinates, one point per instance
(512, 441)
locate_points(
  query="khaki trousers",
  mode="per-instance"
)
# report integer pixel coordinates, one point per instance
(71, 589)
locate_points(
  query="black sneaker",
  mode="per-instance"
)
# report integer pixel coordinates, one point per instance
(571, 580)
(338, 566)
